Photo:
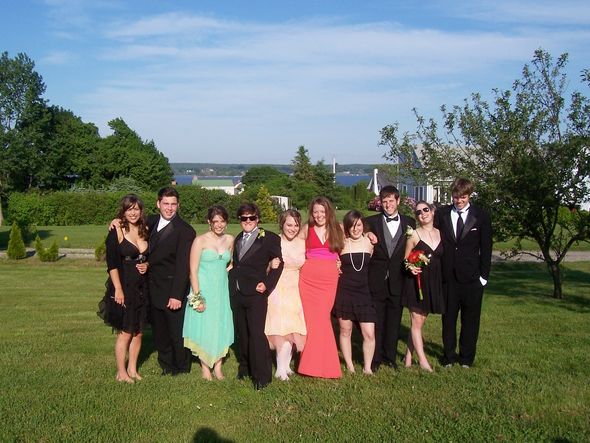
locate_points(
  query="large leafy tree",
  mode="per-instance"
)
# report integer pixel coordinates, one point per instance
(77, 145)
(125, 154)
(529, 153)
(21, 118)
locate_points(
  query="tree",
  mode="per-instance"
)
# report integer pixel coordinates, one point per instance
(21, 90)
(75, 150)
(265, 205)
(323, 178)
(125, 154)
(16, 245)
(529, 154)
(275, 181)
(302, 167)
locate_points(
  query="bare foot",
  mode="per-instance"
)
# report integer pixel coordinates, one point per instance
(124, 378)
(368, 371)
(408, 361)
(426, 367)
(350, 369)
(135, 375)
(206, 373)
(219, 375)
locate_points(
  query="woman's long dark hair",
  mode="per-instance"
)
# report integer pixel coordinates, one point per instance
(127, 202)
(333, 230)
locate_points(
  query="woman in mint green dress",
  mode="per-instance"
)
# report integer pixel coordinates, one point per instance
(208, 326)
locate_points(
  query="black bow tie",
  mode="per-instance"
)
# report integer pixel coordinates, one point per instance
(389, 219)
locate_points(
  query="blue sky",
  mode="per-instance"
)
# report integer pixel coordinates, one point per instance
(250, 81)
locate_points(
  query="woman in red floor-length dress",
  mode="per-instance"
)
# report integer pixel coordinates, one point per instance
(318, 280)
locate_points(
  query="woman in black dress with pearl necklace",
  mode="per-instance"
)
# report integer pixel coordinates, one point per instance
(353, 302)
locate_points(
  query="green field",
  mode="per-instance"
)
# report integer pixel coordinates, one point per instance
(530, 381)
(88, 236)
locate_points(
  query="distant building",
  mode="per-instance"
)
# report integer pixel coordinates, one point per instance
(282, 201)
(407, 186)
(227, 185)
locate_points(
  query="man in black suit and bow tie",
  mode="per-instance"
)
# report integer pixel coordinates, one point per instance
(466, 233)
(169, 247)
(386, 274)
(250, 283)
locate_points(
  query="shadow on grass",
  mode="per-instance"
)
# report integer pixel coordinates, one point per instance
(431, 349)
(533, 281)
(4, 236)
(147, 347)
(28, 237)
(209, 435)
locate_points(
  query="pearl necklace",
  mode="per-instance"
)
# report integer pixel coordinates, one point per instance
(350, 241)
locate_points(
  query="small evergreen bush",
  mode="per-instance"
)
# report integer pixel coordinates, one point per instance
(16, 246)
(100, 252)
(46, 254)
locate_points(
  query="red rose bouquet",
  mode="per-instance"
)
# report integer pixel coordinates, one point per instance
(416, 261)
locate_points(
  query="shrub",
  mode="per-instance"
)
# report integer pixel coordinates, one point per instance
(69, 208)
(195, 200)
(100, 252)
(46, 254)
(87, 207)
(16, 246)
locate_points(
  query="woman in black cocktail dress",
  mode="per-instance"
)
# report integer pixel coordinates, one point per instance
(125, 304)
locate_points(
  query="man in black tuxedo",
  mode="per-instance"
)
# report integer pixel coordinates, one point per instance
(250, 283)
(386, 274)
(169, 247)
(466, 233)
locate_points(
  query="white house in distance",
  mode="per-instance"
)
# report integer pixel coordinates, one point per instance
(429, 193)
(226, 184)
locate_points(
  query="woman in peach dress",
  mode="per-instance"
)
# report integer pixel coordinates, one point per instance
(285, 323)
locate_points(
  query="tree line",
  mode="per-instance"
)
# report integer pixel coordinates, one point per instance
(45, 147)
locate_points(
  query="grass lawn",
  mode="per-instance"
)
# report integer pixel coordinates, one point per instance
(530, 381)
(88, 236)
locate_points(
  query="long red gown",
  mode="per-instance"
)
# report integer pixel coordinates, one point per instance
(318, 280)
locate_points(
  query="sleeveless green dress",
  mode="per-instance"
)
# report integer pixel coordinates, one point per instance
(209, 334)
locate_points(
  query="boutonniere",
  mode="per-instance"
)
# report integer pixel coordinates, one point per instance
(409, 231)
(261, 233)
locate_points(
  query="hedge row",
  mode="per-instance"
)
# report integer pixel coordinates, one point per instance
(99, 207)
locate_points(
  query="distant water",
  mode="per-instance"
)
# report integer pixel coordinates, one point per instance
(343, 180)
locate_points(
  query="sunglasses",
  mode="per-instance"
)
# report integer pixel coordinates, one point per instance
(244, 218)
(420, 211)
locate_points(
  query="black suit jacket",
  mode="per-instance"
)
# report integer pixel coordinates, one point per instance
(381, 265)
(251, 269)
(169, 260)
(469, 257)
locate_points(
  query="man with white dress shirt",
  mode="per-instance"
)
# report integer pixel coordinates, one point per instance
(386, 274)
(466, 233)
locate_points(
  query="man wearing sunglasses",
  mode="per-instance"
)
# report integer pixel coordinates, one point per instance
(466, 233)
(251, 280)
(386, 274)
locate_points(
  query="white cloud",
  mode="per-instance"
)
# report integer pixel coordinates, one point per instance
(530, 13)
(57, 58)
(202, 87)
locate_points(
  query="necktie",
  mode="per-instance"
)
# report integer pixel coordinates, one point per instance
(245, 238)
(390, 219)
(460, 225)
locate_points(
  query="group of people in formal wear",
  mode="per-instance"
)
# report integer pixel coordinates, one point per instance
(280, 293)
